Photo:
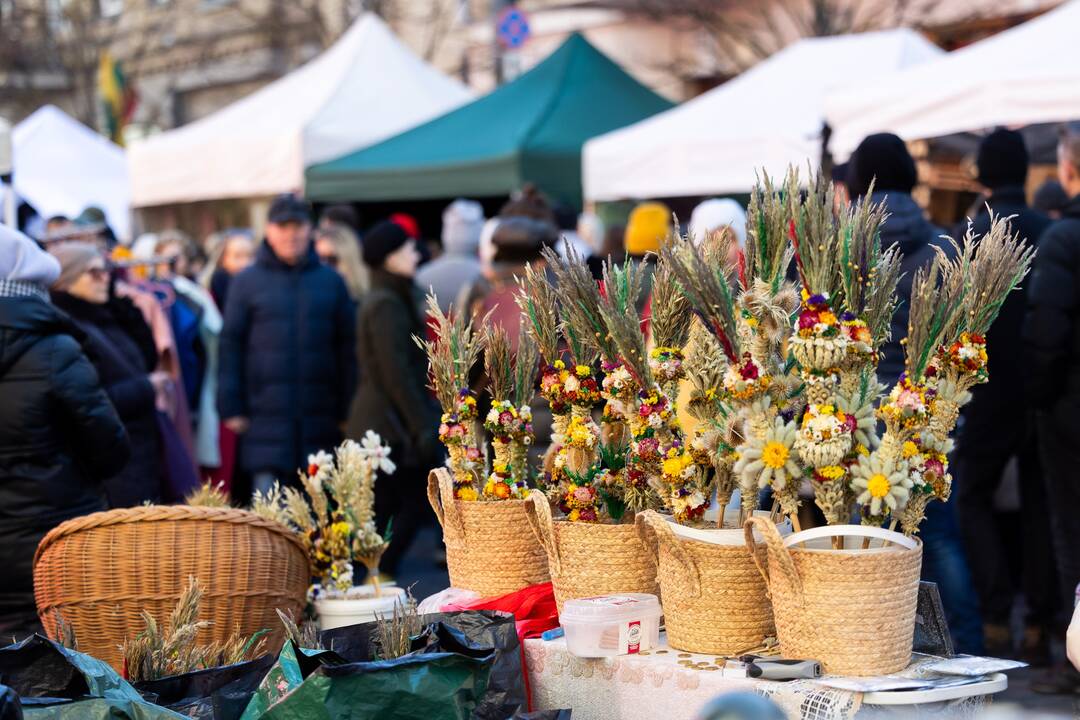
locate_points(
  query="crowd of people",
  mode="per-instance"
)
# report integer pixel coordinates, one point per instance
(132, 374)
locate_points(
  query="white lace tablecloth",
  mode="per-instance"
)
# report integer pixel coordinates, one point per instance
(673, 685)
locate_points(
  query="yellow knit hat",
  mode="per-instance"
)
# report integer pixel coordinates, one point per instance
(649, 225)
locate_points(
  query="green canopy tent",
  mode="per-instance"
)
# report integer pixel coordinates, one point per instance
(530, 130)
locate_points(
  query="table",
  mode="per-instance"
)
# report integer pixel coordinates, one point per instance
(672, 685)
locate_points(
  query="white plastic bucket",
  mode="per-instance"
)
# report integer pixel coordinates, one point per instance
(341, 612)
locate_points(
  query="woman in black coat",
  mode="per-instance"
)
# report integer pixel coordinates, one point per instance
(392, 398)
(121, 347)
(59, 435)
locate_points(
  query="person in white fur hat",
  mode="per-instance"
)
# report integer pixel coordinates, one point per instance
(60, 437)
(459, 265)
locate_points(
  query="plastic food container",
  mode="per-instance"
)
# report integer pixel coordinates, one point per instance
(611, 625)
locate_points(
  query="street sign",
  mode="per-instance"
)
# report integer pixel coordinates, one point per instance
(512, 27)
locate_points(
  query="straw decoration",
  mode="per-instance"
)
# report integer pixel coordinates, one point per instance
(768, 252)
(671, 312)
(708, 290)
(1000, 261)
(539, 304)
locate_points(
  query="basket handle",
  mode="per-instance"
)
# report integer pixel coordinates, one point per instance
(543, 526)
(776, 550)
(440, 492)
(652, 526)
(866, 531)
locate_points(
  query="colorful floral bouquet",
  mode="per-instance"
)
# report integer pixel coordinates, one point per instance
(334, 515)
(451, 357)
(813, 421)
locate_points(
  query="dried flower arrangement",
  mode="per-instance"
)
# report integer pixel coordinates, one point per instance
(334, 515)
(159, 652)
(451, 357)
(512, 382)
(802, 398)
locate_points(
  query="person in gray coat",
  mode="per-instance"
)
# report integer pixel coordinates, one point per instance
(459, 265)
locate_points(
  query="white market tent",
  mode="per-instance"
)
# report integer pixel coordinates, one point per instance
(365, 88)
(1027, 74)
(769, 117)
(61, 167)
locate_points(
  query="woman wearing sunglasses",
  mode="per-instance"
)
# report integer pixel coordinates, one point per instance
(121, 347)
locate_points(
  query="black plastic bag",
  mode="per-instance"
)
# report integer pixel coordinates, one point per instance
(445, 677)
(505, 693)
(543, 715)
(10, 707)
(61, 684)
(219, 693)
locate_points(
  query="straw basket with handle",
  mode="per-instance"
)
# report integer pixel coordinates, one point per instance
(99, 572)
(590, 559)
(491, 547)
(714, 597)
(852, 610)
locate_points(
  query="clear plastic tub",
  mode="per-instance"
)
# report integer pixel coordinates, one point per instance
(611, 625)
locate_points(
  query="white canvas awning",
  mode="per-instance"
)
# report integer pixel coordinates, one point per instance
(365, 88)
(1027, 74)
(61, 167)
(769, 117)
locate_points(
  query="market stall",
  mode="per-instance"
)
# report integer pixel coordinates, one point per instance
(61, 167)
(532, 131)
(363, 89)
(1025, 75)
(770, 117)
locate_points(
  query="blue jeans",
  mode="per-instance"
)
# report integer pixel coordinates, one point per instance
(945, 563)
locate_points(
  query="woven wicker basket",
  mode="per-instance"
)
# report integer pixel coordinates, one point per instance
(491, 547)
(590, 559)
(853, 610)
(98, 573)
(715, 600)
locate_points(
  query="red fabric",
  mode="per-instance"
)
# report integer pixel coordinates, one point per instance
(407, 223)
(534, 612)
(222, 475)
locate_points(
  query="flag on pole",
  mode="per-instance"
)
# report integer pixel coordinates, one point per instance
(118, 97)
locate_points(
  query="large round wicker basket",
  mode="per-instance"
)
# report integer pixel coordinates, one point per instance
(591, 559)
(715, 601)
(491, 547)
(99, 572)
(852, 610)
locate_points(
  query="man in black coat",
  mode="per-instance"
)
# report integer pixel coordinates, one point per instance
(288, 362)
(59, 435)
(995, 428)
(1052, 372)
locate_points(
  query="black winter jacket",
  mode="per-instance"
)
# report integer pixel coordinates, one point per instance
(393, 399)
(908, 228)
(1052, 326)
(59, 437)
(287, 360)
(119, 343)
(995, 400)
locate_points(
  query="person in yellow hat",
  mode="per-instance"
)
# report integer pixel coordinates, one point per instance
(647, 229)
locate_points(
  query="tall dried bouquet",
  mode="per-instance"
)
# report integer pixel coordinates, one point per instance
(451, 357)
(334, 514)
(811, 414)
(512, 383)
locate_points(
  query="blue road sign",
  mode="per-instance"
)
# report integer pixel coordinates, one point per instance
(512, 27)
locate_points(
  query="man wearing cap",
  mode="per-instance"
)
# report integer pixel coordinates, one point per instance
(995, 429)
(288, 363)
